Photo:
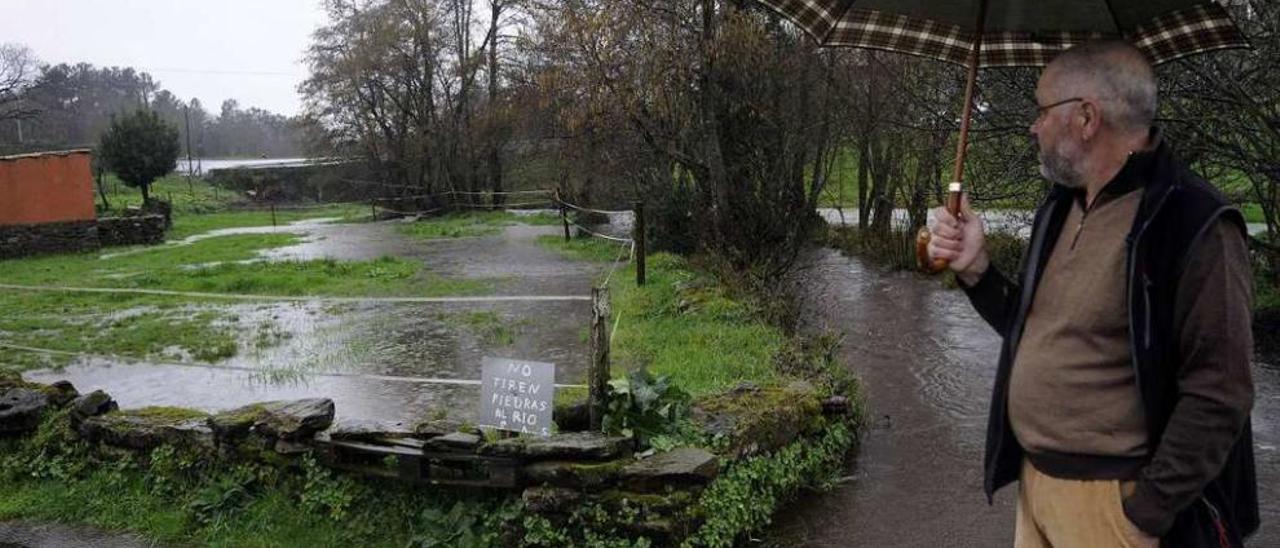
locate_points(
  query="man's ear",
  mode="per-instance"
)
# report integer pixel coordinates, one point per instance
(1090, 120)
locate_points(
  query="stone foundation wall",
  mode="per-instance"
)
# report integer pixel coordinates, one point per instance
(318, 183)
(34, 239)
(137, 230)
(68, 237)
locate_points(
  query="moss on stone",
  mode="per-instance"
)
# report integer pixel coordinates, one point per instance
(236, 422)
(10, 380)
(674, 500)
(753, 420)
(576, 473)
(164, 414)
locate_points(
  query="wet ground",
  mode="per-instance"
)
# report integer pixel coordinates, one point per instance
(19, 534)
(387, 362)
(927, 363)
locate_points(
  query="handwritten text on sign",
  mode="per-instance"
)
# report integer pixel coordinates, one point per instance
(517, 395)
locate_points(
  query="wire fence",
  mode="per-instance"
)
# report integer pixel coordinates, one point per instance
(116, 358)
(626, 253)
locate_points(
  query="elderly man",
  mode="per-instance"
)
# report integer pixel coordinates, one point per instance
(1123, 392)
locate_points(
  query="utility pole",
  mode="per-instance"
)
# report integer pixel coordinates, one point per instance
(186, 114)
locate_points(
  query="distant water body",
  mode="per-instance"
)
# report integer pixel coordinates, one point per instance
(200, 167)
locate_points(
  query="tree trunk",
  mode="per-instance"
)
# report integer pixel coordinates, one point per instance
(495, 160)
(864, 184)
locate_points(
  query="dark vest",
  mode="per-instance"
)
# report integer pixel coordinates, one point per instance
(1176, 208)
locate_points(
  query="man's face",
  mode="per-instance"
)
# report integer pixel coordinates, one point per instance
(1060, 147)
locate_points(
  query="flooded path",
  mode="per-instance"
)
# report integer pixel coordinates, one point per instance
(378, 361)
(22, 534)
(927, 362)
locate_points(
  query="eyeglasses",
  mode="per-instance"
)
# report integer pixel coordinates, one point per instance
(1042, 110)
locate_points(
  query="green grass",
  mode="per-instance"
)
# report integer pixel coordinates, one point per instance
(175, 498)
(144, 326)
(681, 323)
(492, 328)
(199, 206)
(111, 324)
(187, 225)
(198, 196)
(467, 225)
(583, 249)
(1252, 213)
(154, 267)
(842, 182)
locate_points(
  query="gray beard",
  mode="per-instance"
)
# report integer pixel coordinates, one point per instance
(1057, 169)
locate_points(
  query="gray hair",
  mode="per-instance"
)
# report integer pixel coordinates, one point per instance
(1118, 73)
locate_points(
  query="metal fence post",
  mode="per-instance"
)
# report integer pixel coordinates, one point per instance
(273, 214)
(564, 215)
(638, 237)
(598, 375)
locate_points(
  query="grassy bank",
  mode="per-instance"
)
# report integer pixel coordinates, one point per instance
(469, 225)
(199, 206)
(194, 196)
(189, 224)
(682, 323)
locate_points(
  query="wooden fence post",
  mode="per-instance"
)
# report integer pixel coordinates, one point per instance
(598, 374)
(638, 237)
(564, 215)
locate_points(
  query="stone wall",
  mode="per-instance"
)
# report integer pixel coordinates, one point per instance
(318, 183)
(655, 494)
(22, 240)
(135, 230)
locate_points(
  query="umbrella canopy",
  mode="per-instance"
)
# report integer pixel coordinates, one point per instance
(1008, 33)
(1015, 33)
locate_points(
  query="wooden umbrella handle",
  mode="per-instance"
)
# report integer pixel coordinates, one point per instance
(923, 236)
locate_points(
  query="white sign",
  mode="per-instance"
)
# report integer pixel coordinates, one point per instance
(517, 395)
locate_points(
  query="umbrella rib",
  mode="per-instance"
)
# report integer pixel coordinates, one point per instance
(1115, 20)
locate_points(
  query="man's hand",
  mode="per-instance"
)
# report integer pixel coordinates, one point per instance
(963, 242)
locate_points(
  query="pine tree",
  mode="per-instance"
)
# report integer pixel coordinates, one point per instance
(140, 148)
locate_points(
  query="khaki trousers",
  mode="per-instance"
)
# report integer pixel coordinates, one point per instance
(1058, 513)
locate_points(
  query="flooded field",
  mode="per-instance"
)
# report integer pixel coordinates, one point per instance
(380, 361)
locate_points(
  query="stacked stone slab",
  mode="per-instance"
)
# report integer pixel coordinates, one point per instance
(132, 230)
(554, 475)
(22, 240)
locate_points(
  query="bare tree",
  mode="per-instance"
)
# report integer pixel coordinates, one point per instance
(18, 68)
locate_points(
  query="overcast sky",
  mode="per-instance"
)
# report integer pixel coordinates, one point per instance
(213, 50)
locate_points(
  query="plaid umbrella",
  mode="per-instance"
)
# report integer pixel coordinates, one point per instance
(1026, 33)
(1008, 33)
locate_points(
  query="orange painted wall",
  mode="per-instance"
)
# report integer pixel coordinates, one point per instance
(46, 188)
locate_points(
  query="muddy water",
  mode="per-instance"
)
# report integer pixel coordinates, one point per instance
(19, 534)
(386, 362)
(927, 362)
